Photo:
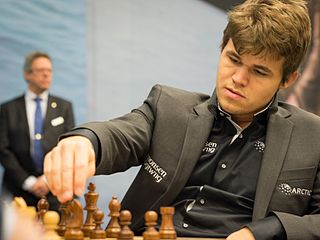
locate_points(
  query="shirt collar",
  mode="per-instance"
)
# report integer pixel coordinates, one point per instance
(31, 95)
(215, 106)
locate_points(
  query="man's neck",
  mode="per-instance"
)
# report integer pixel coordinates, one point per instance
(242, 121)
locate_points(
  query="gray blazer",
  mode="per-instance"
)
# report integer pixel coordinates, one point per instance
(166, 136)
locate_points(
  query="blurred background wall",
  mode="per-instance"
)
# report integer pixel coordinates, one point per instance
(56, 27)
(107, 54)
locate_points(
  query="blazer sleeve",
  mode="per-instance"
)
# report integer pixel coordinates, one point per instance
(124, 142)
(7, 157)
(69, 117)
(307, 226)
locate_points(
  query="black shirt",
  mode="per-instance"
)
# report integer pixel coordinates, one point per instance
(218, 198)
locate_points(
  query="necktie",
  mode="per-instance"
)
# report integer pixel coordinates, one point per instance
(37, 142)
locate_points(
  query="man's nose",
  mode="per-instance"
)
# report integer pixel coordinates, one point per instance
(241, 76)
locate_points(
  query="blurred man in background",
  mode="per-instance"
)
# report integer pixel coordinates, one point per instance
(29, 127)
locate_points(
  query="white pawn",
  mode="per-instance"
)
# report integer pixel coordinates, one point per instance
(51, 220)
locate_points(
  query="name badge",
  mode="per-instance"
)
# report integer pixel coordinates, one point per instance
(57, 121)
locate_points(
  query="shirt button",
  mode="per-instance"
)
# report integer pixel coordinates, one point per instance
(240, 136)
(202, 201)
(185, 225)
(223, 165)
(38, 136)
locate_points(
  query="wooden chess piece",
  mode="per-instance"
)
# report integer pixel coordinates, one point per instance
(50, 221)
(167, 230)
(91, 198)
(74, 221)
(43, 207)
(62, 226)
(125, 221)
(113, 229)
(20, 205)
(98, 232)
(151, 232)
(19, 202)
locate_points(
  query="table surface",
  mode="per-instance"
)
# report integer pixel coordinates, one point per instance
(179, 238)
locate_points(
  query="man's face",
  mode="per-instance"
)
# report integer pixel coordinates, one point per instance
(40, 77)
(246, 83)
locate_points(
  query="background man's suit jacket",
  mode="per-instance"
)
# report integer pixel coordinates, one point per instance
(15, 153)
(166, 136)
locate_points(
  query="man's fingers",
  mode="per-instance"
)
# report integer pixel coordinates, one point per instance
(67, 153)
(55, 169)
(82, 167)
(92, 163)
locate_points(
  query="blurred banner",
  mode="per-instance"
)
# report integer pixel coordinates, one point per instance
(305, 93)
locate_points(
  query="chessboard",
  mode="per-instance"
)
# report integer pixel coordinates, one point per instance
(70, 224)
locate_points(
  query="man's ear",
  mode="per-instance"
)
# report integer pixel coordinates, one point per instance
(26, 76)
(291, 79)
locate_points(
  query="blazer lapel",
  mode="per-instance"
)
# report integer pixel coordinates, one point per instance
(49, 114)
(278, 136)
(197, 132)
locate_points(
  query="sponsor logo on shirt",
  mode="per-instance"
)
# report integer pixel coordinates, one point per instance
(154, 170)
(210, 147)
(286, 189)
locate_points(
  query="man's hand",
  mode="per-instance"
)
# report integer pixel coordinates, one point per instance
(242, 234)
(68, 166)
(40, 188)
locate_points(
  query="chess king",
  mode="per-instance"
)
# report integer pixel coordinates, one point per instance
(226, 162)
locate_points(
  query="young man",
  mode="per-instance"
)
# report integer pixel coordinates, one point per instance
(26, 137)
(239, 164)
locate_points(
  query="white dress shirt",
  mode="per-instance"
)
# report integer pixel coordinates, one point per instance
(31, 109)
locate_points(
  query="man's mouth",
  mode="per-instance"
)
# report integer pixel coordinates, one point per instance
(233, 93)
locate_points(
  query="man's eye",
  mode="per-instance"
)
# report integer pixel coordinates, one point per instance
(260, 72)
(234, 60)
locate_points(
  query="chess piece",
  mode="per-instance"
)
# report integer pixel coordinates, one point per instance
(74, 221)
(151, 232)
(98, 232)
(20, 205)
(91, 198)
(63, 220)
(43, 207)
(113, 228)
(167, 230)
(125, 221)
(50, 221)
(19, 202)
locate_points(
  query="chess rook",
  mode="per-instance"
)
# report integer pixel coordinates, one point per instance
(167, 230)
